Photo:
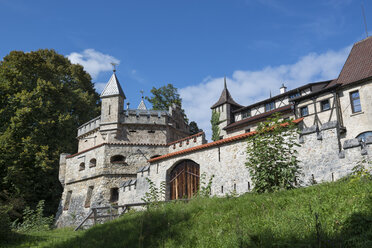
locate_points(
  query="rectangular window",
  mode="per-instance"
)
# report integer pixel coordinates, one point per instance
(89, 196)
(355, 102)
(304, 111)
(294, 95)
(67, 201)
(324, 105)
(114, 194)
(247, 130)
(246, 114)
(269, 106)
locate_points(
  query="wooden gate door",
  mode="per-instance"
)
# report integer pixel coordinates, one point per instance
(184, 180)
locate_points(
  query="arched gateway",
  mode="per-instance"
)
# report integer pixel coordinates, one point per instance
(184, 180)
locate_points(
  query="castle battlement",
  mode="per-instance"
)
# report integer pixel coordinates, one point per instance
(89, 126)
(188, 142)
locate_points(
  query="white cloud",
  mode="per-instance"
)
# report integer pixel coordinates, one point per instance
(99, 87)
(93, 61)
(247, 87)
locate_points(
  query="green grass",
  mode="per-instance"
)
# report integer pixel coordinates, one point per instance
(327, 215)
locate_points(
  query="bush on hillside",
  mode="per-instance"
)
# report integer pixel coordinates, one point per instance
(34, 220)
(272, 156)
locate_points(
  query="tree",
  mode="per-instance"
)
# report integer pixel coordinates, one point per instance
(194, 129)
(164, 97)
(215, 121)
(43, 99)
(271, 155)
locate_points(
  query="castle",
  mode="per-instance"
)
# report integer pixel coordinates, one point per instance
(121, 148)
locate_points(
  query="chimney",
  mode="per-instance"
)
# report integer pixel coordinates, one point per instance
(283, 89)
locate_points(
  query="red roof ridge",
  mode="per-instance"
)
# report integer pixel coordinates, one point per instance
(186, 138)
(212, 144)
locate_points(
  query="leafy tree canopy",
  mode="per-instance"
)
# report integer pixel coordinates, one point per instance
(43, 99)
(164, 97)
(271, 155)
(194, 129)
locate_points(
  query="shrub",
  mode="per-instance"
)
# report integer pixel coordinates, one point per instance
(33, 220)
(272, 157)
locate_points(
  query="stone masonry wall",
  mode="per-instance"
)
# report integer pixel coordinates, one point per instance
(322, 157)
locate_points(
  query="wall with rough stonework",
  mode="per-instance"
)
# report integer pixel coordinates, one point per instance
(226, 163)
(323, 158)
(77, 210)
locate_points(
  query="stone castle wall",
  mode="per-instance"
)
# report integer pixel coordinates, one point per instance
(323, 158)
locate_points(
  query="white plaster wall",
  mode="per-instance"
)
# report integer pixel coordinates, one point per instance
(357, 123)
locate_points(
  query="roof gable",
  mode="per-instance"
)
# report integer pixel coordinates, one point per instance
(225, 98)
(358, 65)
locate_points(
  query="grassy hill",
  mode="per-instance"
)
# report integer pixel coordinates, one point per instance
(326, 215)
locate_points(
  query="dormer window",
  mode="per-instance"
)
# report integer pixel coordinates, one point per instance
(269, 106)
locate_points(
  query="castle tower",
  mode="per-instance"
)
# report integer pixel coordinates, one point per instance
(225, 107)
(112, 103)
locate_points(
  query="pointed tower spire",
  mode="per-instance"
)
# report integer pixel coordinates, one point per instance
(113, 87)
(225, 97)
(142, 105)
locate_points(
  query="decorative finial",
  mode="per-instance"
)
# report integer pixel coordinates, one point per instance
(142, 93)
(225, 86)
(270, 93)
(114, 66)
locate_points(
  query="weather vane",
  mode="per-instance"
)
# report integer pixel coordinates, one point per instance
(114, 66)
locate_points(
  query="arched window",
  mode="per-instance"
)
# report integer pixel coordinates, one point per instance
(117, 159)
(92, 162)
(82, 166)
(364, 135)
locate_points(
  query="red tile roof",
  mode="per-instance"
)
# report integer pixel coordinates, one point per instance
(212, 144)
(358, 65)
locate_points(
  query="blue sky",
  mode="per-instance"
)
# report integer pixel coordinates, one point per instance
(257, 44)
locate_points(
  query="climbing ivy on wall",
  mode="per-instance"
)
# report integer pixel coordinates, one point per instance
(272, 156)
(215, 120)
